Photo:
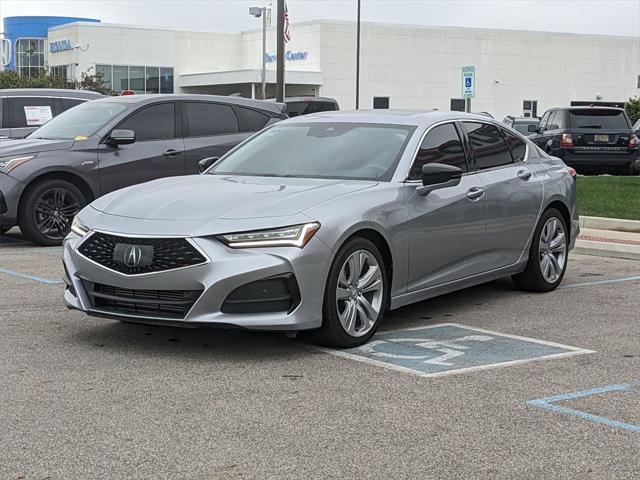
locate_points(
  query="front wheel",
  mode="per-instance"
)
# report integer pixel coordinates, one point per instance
(355, 296)
(47, 210)
(547, 256)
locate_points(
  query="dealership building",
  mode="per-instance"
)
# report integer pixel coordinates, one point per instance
(402, 66)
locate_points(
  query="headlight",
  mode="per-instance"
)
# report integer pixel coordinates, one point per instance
(78, 227)
(9, 163)
(295, 236)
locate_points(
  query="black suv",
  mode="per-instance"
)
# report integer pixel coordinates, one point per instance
(590, 139)
(103, 145)
(22, 110)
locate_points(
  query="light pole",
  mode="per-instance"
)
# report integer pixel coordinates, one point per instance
(358, 59)
(262, 12)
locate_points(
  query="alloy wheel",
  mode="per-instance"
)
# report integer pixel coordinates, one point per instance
(359, 293)
(54, 211)
(553, 249)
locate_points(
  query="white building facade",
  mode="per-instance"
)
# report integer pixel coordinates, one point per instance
(416, 67)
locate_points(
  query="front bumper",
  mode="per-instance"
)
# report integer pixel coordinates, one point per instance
(10, 191)
(228, 270)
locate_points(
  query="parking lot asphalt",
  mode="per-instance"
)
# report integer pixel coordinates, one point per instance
(85, 398)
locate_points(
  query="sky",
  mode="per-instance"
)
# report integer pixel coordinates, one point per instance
(605, 17)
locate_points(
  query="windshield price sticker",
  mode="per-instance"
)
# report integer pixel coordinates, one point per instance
(37, 116)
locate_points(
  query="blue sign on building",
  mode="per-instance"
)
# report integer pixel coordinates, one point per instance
(60, 46)
(290, 56)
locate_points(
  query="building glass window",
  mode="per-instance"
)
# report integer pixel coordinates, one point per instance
(30, 56)
(137, 78)
(152, 79)
(120, 78)
(104, 71)
(380, 102)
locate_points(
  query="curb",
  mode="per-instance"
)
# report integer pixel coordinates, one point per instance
(611, 250)
(618, 224)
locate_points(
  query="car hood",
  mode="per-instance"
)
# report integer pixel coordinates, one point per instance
(20, 146)
(213, 202)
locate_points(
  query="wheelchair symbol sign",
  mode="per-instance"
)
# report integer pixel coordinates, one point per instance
(467, 82)
(448, 348)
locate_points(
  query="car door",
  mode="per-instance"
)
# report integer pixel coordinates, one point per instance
(157, 152)
(447, 226)
(513, 191)
(211, 130)
(28, 113)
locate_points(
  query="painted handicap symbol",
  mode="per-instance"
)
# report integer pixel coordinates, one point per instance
(448, 348)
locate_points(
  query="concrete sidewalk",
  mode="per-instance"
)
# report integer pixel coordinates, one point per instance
(608, 243)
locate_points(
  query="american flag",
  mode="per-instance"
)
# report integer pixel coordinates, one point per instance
(287, 29)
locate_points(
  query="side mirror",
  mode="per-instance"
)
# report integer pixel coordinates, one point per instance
(532, 128)
(121, 137)
(206, 163)
(439, 175)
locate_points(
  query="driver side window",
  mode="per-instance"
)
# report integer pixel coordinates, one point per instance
(543, 123)
(441, 145)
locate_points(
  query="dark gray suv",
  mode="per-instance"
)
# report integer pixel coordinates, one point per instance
(23, 110)
(103, 145)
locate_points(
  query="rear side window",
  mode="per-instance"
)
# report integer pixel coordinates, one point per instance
(156, 122)
(67, 103)
(488, 145)
(441, 145)
(517, 147)
(598, 119)
(206, 119)
(250, 120)
(30, 111)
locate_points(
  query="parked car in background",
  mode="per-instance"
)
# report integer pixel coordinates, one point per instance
(305, 105)
(636, 128)
(22, 110)
(325, 222)
(521, 124)
(590, 139)
(107, 144)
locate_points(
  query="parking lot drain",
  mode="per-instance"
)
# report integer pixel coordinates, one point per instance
(450, 348)
(550, 403)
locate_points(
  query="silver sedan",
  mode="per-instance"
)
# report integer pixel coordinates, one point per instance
(324, 222)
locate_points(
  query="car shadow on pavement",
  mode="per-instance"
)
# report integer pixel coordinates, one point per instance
(203, 342)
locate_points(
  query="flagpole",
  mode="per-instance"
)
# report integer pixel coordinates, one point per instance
(358, 59)
(280, 53)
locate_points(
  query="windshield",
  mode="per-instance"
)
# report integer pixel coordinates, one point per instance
(320, 150)
(600, 119)
(79, 122)
(523, 127)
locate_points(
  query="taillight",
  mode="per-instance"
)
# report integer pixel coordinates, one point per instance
(633, 141)
(566, 141)
(572, 172)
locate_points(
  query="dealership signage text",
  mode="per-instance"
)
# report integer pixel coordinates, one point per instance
(289, 56)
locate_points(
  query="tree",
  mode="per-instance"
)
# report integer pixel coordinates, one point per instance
(88, 81)
(633, 109)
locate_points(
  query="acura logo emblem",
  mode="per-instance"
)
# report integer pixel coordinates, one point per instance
(132, 256)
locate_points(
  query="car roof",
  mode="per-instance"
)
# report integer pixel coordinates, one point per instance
(310, 99)
(49, 92)
(153, 98)
(393, 117)
(588, 107)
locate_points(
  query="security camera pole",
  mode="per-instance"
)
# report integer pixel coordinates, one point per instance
(280, 53)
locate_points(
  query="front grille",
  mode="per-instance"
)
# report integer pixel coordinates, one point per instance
(168, 253)
(169, 304)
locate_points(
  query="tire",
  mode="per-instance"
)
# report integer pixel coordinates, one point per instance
(61, 200)
(352, 309)
(542, 275)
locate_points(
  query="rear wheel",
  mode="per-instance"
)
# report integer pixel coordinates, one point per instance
(547, 256)
(355, 296)
(47, 210)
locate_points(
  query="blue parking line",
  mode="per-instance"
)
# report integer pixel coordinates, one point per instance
(31, 277)
(548, 403)
(602, 282)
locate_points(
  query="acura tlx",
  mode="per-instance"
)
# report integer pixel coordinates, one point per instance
(324, 222)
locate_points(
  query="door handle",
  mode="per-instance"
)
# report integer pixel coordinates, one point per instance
(475, 193)
(172, 153)
(524, 174)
